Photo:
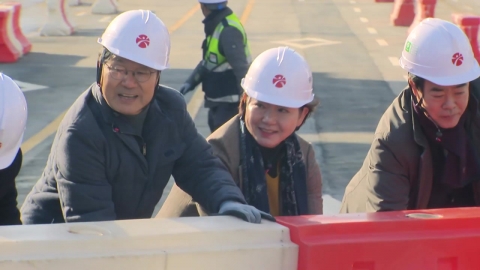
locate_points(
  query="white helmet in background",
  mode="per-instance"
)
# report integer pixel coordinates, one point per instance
(13, 120)
(280, 76)
(139, 36)
(440, 52)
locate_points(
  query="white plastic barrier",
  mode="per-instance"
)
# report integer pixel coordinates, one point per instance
(75, 2)
(58, 22)
(160, 244)
(105, 7)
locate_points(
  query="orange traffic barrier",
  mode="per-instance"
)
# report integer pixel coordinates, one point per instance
(470, 25)
(425, 9)
(384, 1)
(10, 47)
(403, 13)
(447, 239)
(17, 30)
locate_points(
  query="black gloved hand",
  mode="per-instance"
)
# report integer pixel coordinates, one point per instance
(244, 211)
(185, 88)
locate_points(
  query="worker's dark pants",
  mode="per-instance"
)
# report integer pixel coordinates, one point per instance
(220, 114)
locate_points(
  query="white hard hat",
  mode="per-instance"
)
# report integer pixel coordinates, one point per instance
(139, 36)
(212, 1)
(280, 76)
(13, 119)
(440, 52)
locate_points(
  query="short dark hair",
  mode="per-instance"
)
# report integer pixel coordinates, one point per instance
(419, 82)
(312, 106)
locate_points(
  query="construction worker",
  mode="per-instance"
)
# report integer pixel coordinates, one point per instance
(226, 57)
(13, 119)
(123, 138)
(276, 169)
(425, 153)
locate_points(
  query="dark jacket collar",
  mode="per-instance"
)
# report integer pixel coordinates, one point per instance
(214, 18)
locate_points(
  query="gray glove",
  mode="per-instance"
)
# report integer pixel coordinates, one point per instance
(244, 211)
(185, 88)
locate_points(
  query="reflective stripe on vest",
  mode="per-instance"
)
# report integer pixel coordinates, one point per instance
(214, 60)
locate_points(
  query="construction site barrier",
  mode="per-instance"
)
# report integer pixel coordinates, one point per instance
(403, 13)
(424, 9)
(198, 243)
(58, 21)
(75, 2)
(384, 1)
(470, 25)
(10, 47)
(447, 239)
(17, 30)
(105, 7)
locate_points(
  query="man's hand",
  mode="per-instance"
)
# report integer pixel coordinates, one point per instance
(244, 211)
(185, 88)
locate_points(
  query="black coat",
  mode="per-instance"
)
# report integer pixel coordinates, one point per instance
(9, 214)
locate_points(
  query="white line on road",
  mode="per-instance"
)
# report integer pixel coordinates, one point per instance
(394, 61)
(382, 42)
(81, 13)
(371, 30)
(105, 19)
(357, 10)
(363, 19)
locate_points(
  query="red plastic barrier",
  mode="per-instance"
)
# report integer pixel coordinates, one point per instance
(425, 9)
(470, 25)
(17, 7)
(384, 1)
(403, 13)
(8, 51)
(443, 239)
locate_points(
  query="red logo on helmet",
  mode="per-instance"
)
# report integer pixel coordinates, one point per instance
(279, 81)
(143, 41)
(457, 59)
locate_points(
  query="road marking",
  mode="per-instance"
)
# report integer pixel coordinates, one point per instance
(304, 43)
(394, 61)
(372, 30)
(339, 137)
(247, 11)
(382, 42)
(26, 87)
(105, 19)
(358, 10)
(185, 18)
(52, 127)
(81, 13)
(363, 19)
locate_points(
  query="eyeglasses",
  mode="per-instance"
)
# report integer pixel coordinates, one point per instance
(119, 73)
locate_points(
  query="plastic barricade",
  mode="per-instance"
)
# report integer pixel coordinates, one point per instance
(105, 7)
(200, 243)
(58, 21)
(447, 239)
(17, 30)
(470, 25)
(425, 9)
(403, 13)
(384, 1)
(10, 48)
(75, 2)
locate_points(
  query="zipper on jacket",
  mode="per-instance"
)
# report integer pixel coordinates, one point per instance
(144, 149)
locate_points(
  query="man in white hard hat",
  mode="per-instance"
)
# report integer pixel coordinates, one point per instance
(225, 61)
(123, 138)
(13, 119)
(426, 149)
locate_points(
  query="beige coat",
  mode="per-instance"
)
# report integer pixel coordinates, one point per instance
(225, 142)
(397, 173)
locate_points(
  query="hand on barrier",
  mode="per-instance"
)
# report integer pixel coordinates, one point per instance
(244, 211)
(185, 88)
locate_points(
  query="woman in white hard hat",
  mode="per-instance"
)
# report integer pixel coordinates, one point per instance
(13, 119)
(276, 169)
(123, 138)
(427, 144)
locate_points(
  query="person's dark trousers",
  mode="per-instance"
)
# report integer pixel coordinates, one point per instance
(220, 114)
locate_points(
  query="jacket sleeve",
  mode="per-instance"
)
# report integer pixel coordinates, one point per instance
(197, 75)
(202, 175)
(9, 214)
(314, 184)
(381, 184)
(84, 191)
(232, 45)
